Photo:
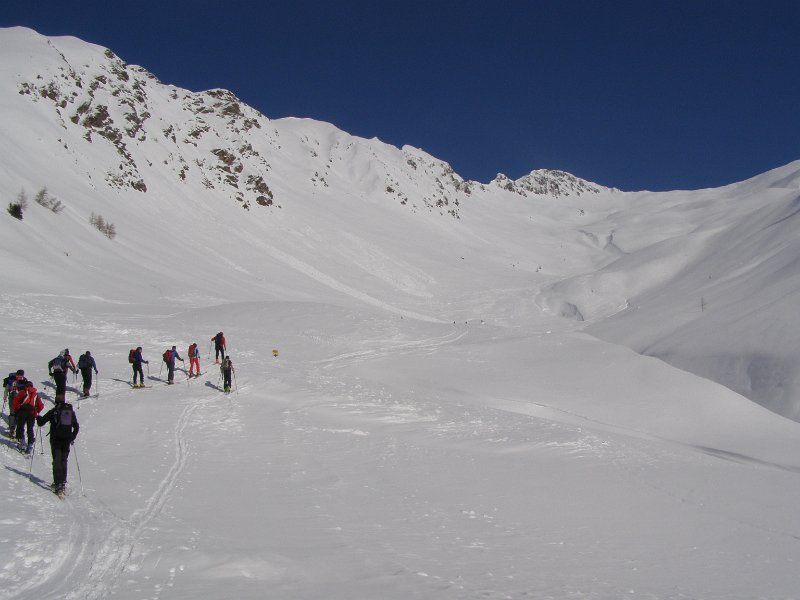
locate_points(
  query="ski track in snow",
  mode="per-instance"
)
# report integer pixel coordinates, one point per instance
(100, 546)
(359, 400)
(413, 346)
(333, 283)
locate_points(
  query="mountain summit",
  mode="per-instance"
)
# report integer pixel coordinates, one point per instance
(548, 182)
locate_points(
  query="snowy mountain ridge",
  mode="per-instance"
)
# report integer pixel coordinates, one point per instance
(214, 139)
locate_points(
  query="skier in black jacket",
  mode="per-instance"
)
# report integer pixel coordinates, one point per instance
(85, 365)
(226, 370)
(64, 429)
(58, 368)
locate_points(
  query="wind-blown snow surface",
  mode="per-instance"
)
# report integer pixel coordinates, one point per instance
(433, 425)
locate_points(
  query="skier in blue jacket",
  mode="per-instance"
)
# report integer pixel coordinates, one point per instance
(137, 367)
(85, 365)
(170, 356)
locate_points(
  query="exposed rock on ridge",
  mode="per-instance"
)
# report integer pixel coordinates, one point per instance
(215, 140)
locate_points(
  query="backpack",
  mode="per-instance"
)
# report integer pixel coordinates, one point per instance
(218, 339)
(63, 420)
(30, 398)
(83, 362)
(192, 350)
(17, 384)
(168, 356)
(57, 364)
(226, 364)
(132, 355)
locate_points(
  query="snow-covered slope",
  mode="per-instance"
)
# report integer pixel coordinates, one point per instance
(438, 422)
(709, 280)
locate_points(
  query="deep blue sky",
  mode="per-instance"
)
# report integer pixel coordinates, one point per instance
(632, 94)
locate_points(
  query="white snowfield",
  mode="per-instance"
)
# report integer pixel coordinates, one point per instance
(467, 400)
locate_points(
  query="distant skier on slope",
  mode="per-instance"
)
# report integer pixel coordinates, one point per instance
(64, 429)
(170, 356)
(194, 360)
(226, 368)
(58, 368)
(219, 346)
(136, 360)
(86, 364)
(27, 406)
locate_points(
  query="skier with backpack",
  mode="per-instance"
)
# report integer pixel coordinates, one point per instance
(136, 360)
(226, 369)
(194, 360)
(86, 364)
(219, 346)
(64, 429)
(9, 382)
(27, 406)
(170, 356)
(11, 386)
(58, 368)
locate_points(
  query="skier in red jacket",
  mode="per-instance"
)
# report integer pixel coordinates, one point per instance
(27, 406)
(194, 360)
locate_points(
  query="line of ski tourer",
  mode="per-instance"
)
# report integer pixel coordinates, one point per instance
(171, 356)
(25, 405)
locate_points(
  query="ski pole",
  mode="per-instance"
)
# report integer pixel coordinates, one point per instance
(77, 464)
(236, 385)
(38, 438)
(33, 454)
